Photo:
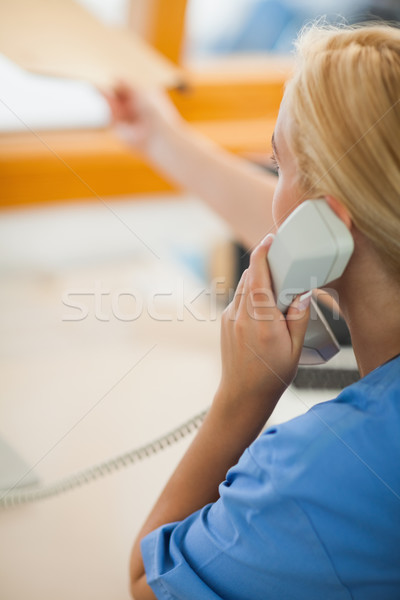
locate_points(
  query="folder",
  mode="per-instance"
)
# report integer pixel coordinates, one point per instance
(61, 38)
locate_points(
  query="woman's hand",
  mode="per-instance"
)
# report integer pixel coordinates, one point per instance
(141, 116)
(260, 347)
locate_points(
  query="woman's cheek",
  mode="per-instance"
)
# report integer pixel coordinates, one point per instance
(274, 209)
(286, 198)
(278, 205)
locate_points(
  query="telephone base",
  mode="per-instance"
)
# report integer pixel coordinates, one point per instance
(14, 471)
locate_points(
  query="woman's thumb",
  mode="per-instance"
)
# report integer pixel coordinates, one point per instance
(297, 319)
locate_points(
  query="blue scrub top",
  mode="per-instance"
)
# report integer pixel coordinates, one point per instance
(311, 510)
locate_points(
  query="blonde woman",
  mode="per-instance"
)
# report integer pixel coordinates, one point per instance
(309, 509)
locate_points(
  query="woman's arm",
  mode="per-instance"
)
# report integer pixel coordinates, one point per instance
(218, 445)
(240, 192)
(260, 353)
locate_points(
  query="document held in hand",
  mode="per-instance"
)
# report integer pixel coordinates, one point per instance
(61, 38)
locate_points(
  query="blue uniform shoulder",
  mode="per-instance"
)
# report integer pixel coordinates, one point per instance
(363, 416)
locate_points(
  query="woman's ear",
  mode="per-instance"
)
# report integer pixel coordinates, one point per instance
(340, 210)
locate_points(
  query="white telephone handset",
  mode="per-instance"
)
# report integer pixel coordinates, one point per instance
(311, 248)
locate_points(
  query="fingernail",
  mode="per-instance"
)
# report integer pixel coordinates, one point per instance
(304, 301)
(267, 241)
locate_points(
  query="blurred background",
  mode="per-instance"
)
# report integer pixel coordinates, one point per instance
(110, 279)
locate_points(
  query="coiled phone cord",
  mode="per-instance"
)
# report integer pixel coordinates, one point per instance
(14, 497)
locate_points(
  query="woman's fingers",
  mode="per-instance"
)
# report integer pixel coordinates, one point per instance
(259, 270)
(258, 293)
(235, 304)
(122, 100)
(297, 320)
(254, 296)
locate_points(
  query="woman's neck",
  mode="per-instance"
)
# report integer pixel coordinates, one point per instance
(369, 300)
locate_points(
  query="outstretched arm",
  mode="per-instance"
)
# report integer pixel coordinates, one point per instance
(240, 192)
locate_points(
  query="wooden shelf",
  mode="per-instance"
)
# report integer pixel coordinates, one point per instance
(51, 166)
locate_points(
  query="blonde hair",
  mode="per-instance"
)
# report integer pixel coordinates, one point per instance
(344, 99)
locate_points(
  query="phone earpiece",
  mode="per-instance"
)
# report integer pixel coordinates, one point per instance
(311, 248)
